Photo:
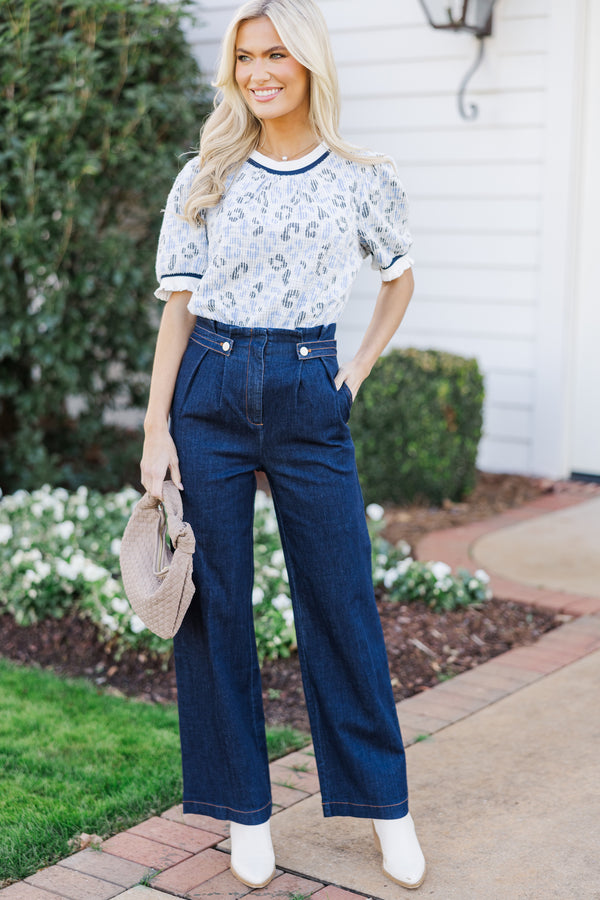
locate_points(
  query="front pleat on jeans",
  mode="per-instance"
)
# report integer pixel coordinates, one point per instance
(188, 371)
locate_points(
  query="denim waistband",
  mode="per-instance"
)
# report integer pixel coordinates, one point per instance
(310, 334)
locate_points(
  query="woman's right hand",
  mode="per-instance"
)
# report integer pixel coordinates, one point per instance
(159, 455)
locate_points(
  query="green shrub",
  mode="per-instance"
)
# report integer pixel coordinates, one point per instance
(97, 100)
(416, 424)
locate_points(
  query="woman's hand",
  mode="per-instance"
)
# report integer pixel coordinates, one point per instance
(353, 373)
(158, 456)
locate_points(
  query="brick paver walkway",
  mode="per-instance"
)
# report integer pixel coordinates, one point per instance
(179, 855)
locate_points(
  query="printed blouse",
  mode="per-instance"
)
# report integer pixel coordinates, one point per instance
(284, 245)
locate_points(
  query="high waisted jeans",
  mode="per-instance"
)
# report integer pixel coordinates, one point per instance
(251, 399)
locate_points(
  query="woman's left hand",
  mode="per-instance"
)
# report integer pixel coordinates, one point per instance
(353, 374)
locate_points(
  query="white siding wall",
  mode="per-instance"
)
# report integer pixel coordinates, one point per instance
(479, 193)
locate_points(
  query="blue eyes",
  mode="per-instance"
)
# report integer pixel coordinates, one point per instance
(243, 58)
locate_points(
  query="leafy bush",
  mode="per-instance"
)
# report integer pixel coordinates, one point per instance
(97, 99)
(59, 552)
(416, 424)
(405, 579)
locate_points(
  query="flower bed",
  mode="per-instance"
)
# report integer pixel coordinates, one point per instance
(59, 552)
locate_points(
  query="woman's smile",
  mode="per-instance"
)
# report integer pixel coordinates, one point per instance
(263, 94)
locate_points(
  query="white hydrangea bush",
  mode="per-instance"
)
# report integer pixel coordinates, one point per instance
(405, 579)
(59, 553)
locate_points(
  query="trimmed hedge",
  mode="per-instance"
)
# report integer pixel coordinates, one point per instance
(416, 424)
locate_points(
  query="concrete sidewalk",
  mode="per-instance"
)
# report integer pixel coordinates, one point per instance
(503, 772)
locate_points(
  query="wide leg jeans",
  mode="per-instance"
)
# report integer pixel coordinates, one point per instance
(251, 399)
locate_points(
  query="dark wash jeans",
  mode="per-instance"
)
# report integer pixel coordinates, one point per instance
(255, 398)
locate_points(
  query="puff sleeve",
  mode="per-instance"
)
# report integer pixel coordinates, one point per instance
(383, 221)
(182, 254)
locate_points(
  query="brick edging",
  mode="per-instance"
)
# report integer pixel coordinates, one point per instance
(454, 546)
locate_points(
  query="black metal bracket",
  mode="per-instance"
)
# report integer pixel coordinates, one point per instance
(473, 111)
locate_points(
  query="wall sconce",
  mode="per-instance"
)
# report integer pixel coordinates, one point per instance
(474, 16)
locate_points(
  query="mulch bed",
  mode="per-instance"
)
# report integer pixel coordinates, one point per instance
(424, 647)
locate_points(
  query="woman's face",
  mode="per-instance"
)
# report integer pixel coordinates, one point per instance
(273, 83)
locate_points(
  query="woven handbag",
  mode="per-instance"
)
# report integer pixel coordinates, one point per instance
(158, 582)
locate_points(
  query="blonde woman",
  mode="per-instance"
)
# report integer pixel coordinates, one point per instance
(262, 236)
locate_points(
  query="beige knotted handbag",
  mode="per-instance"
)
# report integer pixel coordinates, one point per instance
(158, 582)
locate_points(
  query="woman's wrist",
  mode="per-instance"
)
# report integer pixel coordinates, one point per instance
(363, 365)
(155, 424)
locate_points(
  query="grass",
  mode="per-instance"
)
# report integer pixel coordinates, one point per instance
(73, 758)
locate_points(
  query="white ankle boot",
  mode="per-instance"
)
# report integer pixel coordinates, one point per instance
(252, 856)
(403, 859)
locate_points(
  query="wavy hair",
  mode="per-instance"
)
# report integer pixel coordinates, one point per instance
(232, 131)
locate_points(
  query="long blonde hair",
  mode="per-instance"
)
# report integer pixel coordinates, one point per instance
(232, 131)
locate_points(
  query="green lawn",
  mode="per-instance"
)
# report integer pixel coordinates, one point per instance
(73, 759)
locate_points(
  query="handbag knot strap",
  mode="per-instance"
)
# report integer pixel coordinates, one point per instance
(180, 532)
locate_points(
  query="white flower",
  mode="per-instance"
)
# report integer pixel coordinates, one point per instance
(136, 624)
(261, 501)
(440, 570)
(29, 578)
(92, 572)
(119, 605)
(378, 573)
(281, 602)
(59, 511)
(82, 512)
(65, 529)
(270, 572)
(258, 595)
(473, 584)
(37, 510)
(81, 492)
(375, 512)
(64, 569)
(43, 569)
(115, 546)
(403, 547)
(381, 559)
(270, 525)
(6, 533)
(111, 587)
(288, 615)
(278, 558)
(390, 578)
(110, 621)
(404, 565)
(482, 576)
(61, 494)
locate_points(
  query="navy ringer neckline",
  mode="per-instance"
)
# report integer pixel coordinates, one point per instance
(292, 166)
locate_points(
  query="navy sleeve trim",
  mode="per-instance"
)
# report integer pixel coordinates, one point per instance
(395, 259)
(179, 274)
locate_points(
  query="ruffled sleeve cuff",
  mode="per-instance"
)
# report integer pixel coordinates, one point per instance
(396, 268)
(183, 282)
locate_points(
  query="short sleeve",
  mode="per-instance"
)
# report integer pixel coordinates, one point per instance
(182, 254)
(383, 221)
